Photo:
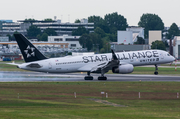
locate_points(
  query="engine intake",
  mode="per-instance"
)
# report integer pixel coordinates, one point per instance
(123, 69)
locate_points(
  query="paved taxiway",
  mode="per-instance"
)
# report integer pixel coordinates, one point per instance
(36, 76)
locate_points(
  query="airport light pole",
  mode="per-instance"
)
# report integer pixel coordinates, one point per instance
(170, 47)
(97, 48)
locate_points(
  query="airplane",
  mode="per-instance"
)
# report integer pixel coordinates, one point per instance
(121, 62)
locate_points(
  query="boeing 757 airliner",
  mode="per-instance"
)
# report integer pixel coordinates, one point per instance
(121, 62)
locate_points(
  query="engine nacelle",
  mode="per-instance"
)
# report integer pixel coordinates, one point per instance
(123, 69)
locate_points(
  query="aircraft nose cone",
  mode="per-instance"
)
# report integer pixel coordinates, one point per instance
(173, 58)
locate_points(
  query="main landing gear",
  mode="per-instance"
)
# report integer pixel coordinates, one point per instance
(102, 77)
(156, 69)
(88, 77)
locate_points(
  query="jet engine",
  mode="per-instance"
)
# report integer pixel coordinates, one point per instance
(123, 69)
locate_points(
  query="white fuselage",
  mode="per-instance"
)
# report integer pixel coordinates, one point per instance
(86, 63)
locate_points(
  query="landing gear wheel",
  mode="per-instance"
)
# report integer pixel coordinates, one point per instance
(88, 78)
(156, 70)
(156, 73)
(102, 78)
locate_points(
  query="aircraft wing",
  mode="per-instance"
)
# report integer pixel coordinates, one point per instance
(103, 66)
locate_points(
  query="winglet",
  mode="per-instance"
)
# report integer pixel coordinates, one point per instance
(114, 57)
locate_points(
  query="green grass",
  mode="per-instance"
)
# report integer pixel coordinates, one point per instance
(161, 70)
(150, 70)
(7, 67)
(56, 100)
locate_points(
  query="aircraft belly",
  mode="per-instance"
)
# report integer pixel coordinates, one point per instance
(67, 68)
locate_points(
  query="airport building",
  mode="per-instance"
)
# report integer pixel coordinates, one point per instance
(60, 28)
(176, 47)
(4, 39)
(121, 48)
(73, 41)
(130, 35)
(155, 35)
(126, 39)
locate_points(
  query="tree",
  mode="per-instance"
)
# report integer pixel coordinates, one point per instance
(115, 22)
(102, 50)
(158, 45)
(99, 22)
(12, 38)
(33, 31)
(48, 19)
(79, 31)
(99, 31)
(150, 22)
(77, 21)
(106, 44)
(96, 40)
(44, 37)
(86, 42)
(140, 40)
(112, 37)
(50, 32)
(173, 31)
(27, 20)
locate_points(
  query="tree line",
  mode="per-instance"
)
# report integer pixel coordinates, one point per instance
(105, 30)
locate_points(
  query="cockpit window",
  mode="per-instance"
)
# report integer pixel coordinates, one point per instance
(168, 54)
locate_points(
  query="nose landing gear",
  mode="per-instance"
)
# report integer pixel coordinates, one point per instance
(156, 69)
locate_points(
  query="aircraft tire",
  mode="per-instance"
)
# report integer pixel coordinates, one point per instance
(88, 78)
(156, 73)
(102, 78)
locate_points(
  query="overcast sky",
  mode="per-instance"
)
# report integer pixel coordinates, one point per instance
(70, 10)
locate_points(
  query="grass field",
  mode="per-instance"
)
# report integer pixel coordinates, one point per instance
(161, 70)
(56, 100)
(19, 100)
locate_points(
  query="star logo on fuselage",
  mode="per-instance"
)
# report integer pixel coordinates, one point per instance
(29, 51)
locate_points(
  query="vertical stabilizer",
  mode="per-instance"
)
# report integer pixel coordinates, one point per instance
(28, 50)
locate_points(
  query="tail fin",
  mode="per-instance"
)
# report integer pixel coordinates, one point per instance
(28, 50)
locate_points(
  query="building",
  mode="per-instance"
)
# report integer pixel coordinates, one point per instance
(73, 41)
(60, 28)
(136, 32)
(6, 20)
(154, 35)
(130, 35)
(4, 39)
(176, 47)
(125, 37)
(121, 48)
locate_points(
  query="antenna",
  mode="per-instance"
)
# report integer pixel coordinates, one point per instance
(55, 18)
(68, 18)
(61, 18)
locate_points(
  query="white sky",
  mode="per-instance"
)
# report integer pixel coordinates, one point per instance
(70, 10)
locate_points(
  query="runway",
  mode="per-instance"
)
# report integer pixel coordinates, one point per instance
(36, 76)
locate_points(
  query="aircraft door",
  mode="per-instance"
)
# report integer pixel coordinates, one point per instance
(161, 55)
(50, 65)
